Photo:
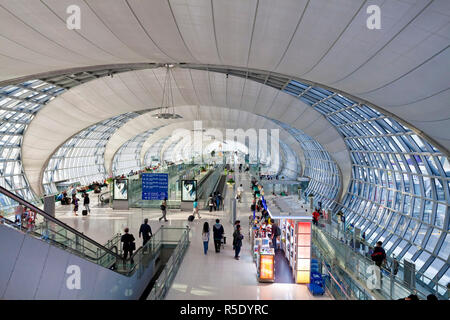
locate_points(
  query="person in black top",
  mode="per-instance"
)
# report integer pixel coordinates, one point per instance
(146, 232)
(218, 232)
(378, 255)
(128, 244)
(237, 241)
(86, 202)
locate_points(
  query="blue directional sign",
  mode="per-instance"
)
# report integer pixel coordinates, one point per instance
(155, 186)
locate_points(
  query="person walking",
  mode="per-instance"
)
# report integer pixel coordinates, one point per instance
(146, 231)
(163, 210)
(363, 246)
(86, 202)
(195, 210)
(210, 202)
(316, 216)
(215, 201)
(128, 244)
(240, 189)
(74, 191)
(75, 205)
(218, 200)
(276, 232)
(395, 265)
(379, 257)
(205, 237)
(237, 241)
(218, 232)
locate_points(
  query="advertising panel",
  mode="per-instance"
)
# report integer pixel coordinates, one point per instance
(188, 190)
(120, 191)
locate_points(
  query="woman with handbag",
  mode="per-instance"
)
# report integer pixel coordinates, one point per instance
(128, 244)
(163, 210)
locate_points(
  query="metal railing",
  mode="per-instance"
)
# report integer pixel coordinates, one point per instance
(165, 279)
(57, 233)
(360, 268)
(423, 284)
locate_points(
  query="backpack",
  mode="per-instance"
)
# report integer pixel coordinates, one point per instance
(277, 232)
(377, 256)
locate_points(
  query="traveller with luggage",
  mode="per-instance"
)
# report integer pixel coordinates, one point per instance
(195, 210)
(86, 202)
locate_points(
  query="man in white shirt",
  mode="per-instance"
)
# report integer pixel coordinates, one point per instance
(240, 189)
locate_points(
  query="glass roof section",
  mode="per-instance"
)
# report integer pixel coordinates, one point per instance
(81, 158)
(128, 157)
(19, 104)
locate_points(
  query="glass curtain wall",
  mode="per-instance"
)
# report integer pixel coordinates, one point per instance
(322, 170)
(153, 153)
(399, 192)
(128, 157)
(81, 158)
(19, 103)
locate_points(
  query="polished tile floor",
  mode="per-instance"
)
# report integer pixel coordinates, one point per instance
(212, 276)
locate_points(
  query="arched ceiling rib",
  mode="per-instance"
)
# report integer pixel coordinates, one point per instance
(103, 98)
(402, 67)
(233, 121)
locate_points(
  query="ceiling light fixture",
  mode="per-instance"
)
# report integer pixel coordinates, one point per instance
(167, 108)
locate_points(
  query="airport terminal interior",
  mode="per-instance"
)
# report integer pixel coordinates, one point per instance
(224, 149)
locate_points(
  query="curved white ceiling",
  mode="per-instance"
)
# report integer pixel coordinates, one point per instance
(103, 98)
(403, 67)
(219, 118)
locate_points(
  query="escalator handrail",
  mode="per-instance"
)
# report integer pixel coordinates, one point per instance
(54, 242)
(56, 221)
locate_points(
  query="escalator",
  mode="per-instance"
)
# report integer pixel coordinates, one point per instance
(220, 184)
(47, 259)
(208, 184)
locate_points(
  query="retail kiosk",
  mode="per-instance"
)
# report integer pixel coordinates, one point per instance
(263, 254)
(294, 220)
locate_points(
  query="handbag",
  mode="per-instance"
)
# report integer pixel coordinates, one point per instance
(133, 246)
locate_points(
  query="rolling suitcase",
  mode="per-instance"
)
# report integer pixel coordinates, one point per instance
(191, 218)
(84, 212)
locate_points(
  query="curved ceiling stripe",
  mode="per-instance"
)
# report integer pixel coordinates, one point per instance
(113, 98)
(134, 128)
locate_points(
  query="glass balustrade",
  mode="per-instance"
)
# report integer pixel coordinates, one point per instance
(336, 248)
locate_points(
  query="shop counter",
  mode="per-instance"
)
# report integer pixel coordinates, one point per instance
(266, 265)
